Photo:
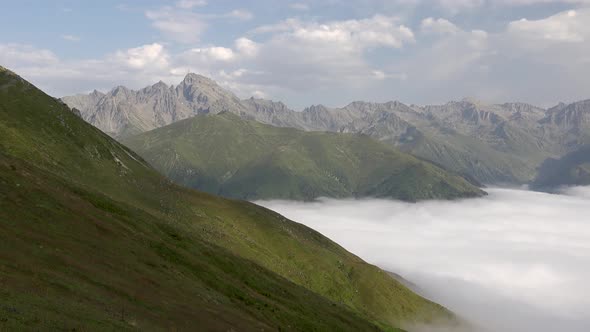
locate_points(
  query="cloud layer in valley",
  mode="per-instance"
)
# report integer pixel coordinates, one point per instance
(513, 261)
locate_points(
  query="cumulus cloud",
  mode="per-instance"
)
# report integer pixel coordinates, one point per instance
(565, 27)
(438, 26)
(206, 58)
(133, 67)
(152, 55)
(454, 54)
(377, 31)
(512, 261)
(302, 55)
(247, 47)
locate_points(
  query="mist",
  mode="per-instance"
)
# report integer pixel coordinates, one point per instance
(515, 260)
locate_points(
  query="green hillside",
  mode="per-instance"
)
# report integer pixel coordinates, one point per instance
(92, 238)
(226, 155)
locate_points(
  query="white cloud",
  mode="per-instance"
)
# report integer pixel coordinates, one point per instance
(71, 38)
(303, 55)
(513, 261)
(247, 47)
(187, 4)
(570, 26)
(209, 54)
(299, 6)
(153, 56)
(240, 14)
(133, 67)
(377, 31)
(16, 54)
(178, 25)
(438, 26)
(454, 54)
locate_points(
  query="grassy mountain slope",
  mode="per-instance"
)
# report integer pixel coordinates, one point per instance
(465, 155)
(91, 237)
(224, 154)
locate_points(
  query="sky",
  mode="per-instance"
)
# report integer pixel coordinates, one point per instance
(306, 52)
(513, 261)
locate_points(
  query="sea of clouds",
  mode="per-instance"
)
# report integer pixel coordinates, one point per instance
(515, 260)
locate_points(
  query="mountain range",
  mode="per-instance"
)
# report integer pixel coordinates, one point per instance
(227, 155)
(491, 143)
(93, 238)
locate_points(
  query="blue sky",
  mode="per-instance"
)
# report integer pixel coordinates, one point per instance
(308, 52)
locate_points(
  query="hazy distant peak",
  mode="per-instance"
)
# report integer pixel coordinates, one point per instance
(160, 84)
(315, 108)
(473, 101)
(96, 93)
(118, 90)
(192, 78)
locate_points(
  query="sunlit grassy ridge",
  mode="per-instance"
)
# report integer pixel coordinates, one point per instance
(224, 154)
(91, 237)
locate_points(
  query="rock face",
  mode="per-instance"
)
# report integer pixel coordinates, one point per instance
(498, 143)
(123, 112)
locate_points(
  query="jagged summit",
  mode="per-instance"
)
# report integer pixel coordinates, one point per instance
(192, 78)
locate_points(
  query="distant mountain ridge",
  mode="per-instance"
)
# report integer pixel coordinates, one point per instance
(497, 143)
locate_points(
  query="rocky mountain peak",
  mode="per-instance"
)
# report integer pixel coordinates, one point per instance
(160, 84)
(192, 78)
(315, 108)
(119, 90)
(96, 94)
(472, 101)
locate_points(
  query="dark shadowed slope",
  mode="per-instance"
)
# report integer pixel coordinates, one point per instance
(224, 154)
(571, 170)
(93, 238)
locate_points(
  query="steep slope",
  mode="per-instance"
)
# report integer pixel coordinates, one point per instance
(224, 154)
(572, 169)
(92, 238)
